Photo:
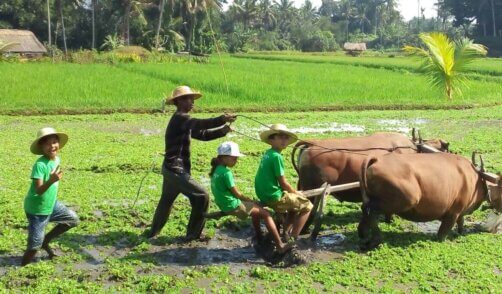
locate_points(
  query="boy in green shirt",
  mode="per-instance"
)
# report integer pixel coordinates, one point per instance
(271, 186)
(230, 201)
(41, 204)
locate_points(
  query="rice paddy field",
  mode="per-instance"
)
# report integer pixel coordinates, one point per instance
(305, 82)
(108, 155)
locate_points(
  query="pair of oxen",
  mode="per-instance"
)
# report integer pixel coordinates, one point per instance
(396, 177)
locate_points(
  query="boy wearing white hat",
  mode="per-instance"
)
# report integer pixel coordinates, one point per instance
(176, 168)
(271, 185)
(231, 201)
(41, 204)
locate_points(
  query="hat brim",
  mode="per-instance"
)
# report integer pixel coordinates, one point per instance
(265, 134)
(35, 147)
(170, 100)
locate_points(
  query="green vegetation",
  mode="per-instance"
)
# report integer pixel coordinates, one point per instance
(444, 61)
(254, 85)
(107, 155)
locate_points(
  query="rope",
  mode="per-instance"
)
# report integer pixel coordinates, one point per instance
(218, 51)
(143, 179)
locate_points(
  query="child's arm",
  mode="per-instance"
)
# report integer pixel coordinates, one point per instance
(41, 187)
(239, 195)
(285, 185)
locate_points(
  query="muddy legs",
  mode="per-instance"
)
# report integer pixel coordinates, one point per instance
(368, 231)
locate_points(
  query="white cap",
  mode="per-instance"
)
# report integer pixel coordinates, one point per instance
(229, 148)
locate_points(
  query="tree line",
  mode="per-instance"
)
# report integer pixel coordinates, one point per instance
(202, 25)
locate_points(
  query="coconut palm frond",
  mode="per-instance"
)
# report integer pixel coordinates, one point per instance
(466, 52)
(444, 60)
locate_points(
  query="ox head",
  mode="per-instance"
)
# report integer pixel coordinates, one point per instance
(493, 184)
(439, 144)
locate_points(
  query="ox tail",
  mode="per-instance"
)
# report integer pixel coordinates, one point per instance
(363, 178)
(301, 145)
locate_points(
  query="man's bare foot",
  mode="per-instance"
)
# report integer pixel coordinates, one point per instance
(49, 251)
(285, 248)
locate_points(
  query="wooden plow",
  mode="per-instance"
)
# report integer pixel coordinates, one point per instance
(320, 201)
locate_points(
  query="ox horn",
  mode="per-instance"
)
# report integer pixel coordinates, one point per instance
(420, 140)
(473, 158)
(482, 167)
(413, 134)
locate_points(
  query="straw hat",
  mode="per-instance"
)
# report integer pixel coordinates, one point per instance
(44, 132)
(229, 148)
(182, 91)
(278, 129)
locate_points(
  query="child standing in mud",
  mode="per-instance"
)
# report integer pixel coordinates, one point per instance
(231, 201)
(271, 185)
(41, 204)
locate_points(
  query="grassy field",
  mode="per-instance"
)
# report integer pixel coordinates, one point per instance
(481, 67)
(317, 82)
(107, 155)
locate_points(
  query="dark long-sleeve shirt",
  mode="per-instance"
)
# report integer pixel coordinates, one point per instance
(180, 130)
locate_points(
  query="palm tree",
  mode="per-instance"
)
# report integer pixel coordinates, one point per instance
(484, 3)
(285, 13)
(267, 15)
(49, 22)
(445, 60)
(190, 9)
(93, 18)
(361, 17)
(131, 8)
(347, 13)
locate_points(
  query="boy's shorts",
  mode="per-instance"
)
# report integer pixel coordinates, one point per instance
(291, 202)
(37, 223)
(243, 210)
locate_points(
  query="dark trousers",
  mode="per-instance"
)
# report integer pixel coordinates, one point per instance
(172, 186)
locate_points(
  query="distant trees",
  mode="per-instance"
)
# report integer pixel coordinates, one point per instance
(174, 25)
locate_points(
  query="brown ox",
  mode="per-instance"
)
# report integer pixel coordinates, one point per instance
(338, 161)
(420, 188)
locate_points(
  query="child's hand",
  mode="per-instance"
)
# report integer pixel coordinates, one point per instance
(229, 117)
(227, 129)
(56, 175)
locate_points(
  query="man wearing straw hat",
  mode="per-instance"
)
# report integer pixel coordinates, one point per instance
(176, 167)
(41, 204)
(271, 185)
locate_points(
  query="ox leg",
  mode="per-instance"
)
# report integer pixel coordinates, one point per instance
(446, 225)
(460, 225)
(363, 229)
(368, 229)
(388, 218)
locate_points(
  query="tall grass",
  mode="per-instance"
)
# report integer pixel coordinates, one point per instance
(253, 85)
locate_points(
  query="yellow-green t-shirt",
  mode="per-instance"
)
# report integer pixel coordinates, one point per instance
(42, 204)
(222, 181)
(266, 184)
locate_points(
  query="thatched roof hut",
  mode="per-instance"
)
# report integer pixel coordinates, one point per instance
(26, 42)
(354, 49)
(354, 46)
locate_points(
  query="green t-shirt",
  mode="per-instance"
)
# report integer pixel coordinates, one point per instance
(221, 182)
(266, 184)
(42, 204)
